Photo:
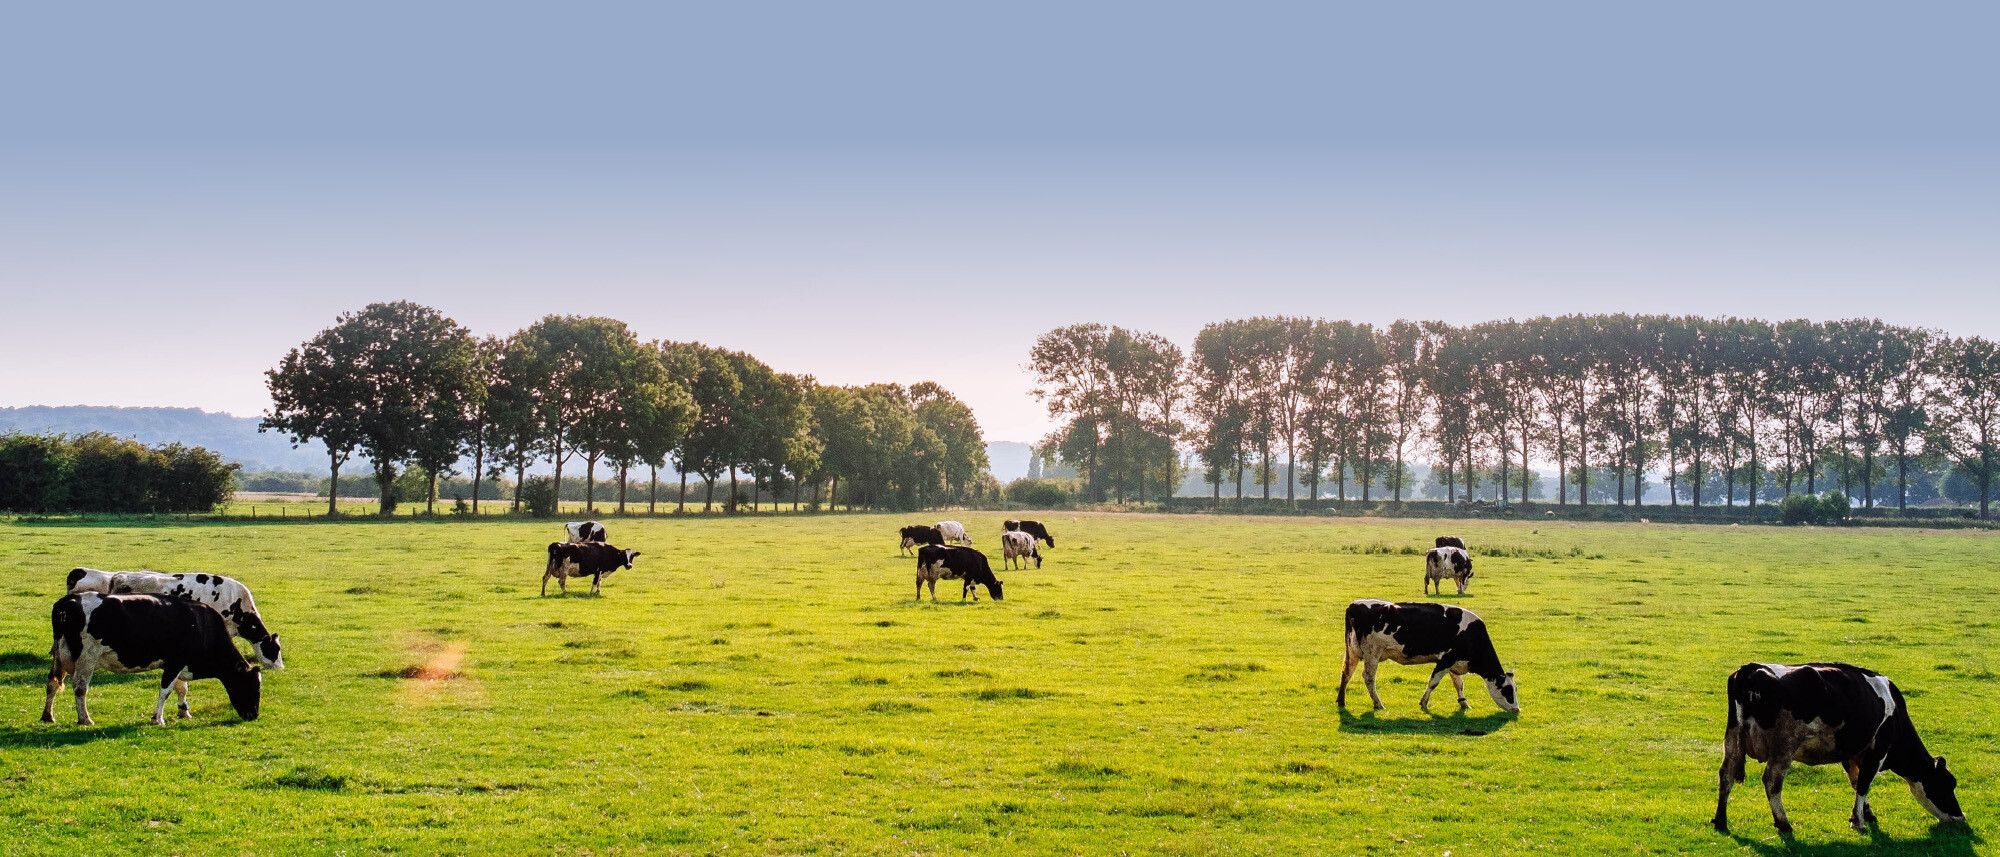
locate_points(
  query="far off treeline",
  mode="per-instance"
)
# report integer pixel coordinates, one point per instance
(400, 384)
(1724, 407)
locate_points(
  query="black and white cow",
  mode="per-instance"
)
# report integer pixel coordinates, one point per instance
(916, 535)
(1018, 547)
(954, 533)
(1825, 714)
(184, 639)
(1450, 542)
(227, 595)
(594, 560)
(1423, 632)
(1033, 528)
(585, 531)
(1442, 563)
(950, 562)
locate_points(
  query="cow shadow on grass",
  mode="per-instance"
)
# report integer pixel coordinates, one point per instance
(1947, 840)
(58, 734)
(1456, 723)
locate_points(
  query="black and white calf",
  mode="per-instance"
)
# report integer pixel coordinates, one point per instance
(1018, 547)
(184, 639)
(227, 595)
(917, 535)
(588, 559)
(585, 531)
(1825, 714)
(953, 532)
(1033, 528)
(943, 562)
(1442, 563)
(1424, 633)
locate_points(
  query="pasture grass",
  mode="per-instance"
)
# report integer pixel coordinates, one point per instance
(1163, 685)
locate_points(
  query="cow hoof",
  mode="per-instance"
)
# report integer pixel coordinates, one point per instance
(1721, 824)
(159, 721)
(48, 718)
(85, 721)
(1462, 705)
(1858, 826)
(186, 715)
(1784, 827)
(1380, 707)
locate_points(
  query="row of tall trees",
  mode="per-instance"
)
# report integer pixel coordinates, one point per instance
(1627, 395)
(400, 384)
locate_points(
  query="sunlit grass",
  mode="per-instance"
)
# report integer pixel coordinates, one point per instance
(1162, 685)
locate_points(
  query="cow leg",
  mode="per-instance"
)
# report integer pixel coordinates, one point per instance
(596, 584)
(181, 693)
(55, 687)
(1862, 774)
(80, 684)
(1346, 669)
(1731, 774)
(1368, 678)
(1458, 684)
(1437, 675)
(1774, 788)
(170, 674)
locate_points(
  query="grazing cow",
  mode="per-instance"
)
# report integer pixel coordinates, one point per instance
(1450, 542)
(227, 595)
(1440, 563)
(1423, 632)
(585, 531)
(589, 559)
(1823, 714)
(184, 639)
(1033, 528)
(954, 533)
(1017, 547)
(915, 535)
(935, 562)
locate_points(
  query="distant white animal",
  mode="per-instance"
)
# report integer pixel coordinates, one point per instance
(1018, 547)
(954, 532)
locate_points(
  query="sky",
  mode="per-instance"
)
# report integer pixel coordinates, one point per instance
(914, 191)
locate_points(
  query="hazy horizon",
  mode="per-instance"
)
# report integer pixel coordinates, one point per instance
(896, 192)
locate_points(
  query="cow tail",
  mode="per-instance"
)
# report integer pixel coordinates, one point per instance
(1733, 696)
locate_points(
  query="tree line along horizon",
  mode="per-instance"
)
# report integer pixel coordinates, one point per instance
(403, 386)
(1757, 404)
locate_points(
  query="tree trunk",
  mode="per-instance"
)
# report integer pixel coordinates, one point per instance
(1291, 478)
(1398, 496)
(385, 486)
(520, 476)
(730, 504)
(708, 500)
(589, 484)
(682, 507)
(478, 467)
(653, 497)
(833, 492)
(623, 470)
(333, 486)
(430, 492)
(1902, 479)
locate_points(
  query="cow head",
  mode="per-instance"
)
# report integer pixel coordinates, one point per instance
(268, 653)
(245, 686)
(1505, 693)
(630, 555)
(993, 589)
(1936, 790)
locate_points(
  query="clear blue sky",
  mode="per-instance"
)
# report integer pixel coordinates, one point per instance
(910, 191)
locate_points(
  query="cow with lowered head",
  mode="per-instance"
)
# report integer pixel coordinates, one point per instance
(917, 535)
(227, 595)
(1447, 562)
(184, 639)
(1824, 714)
(594, 560)
(585, 531)
(1423, 632)
(951, 562)
(1033, 528)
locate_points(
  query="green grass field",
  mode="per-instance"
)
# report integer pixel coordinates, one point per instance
(1164, 685)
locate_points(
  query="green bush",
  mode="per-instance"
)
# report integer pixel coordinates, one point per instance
(538, 496)
(1042, 493)
(1830, 508)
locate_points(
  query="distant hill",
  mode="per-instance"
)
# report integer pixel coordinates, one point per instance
(234, 438)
